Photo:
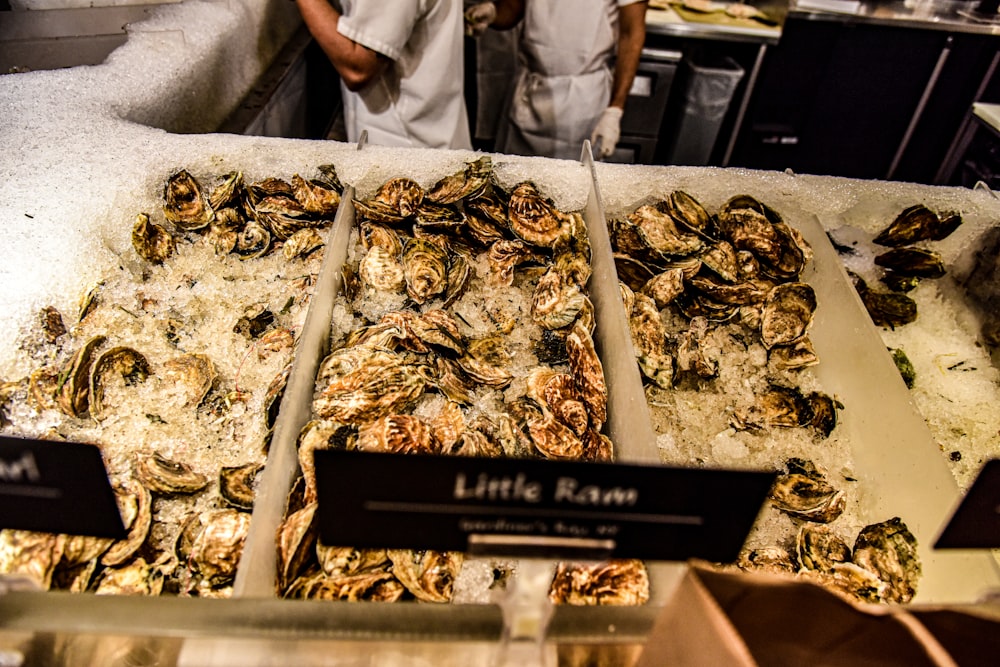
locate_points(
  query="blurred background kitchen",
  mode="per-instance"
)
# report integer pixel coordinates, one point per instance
(875, 90)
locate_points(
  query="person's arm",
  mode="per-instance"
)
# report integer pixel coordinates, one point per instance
(509, 14)
(631, 37)
(357, 65)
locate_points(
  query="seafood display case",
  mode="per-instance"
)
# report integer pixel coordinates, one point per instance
(173, 298)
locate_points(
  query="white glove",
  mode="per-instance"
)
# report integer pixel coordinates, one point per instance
(478, 18)
(608, 130)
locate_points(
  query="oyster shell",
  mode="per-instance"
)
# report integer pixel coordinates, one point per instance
(588, 374)
(425, 269)
(659, 232)
(73, 395)
(615, 582)
(30, 554)
(161, 475)
(803, 492)
(398, 434)
(123, 361)
(236, 484)
(429, 575)
(889, 550)
(465, 184)
(372, 391)
(253, 241)
(136, 578)
(649, 336)
(151, 241)
(534, 219)
(917, 223)
(912, 262)
(820, 548)
(296, 542)
(194, 375)
(135, 503)
(302, 243)
(486, 360)
(382, 270)
(367, 586)
(316, 196)
(184, 204)
(556, 301)
(787, 313)
(217, 545)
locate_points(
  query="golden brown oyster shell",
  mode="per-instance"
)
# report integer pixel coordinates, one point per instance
(429, 575)
(425, 269)
(151, 241)
(534, 218)
(184, 204)
(124, 361)
(615, 582)
(398, 434)
(161, 475)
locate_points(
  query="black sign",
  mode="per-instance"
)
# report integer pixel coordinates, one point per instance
(976, 522)
(535, 508)
(56, 487)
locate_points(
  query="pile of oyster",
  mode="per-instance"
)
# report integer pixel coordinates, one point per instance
(465, 329)
(174, 369)
(720, 321)
(905, 263)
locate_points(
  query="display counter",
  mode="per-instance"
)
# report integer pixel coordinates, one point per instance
(92, 148)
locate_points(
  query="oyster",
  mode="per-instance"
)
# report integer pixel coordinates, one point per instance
(302, 243)
(819, 548)
(429, 575)
(367, 586)
(465, 184)
(372, 391)
(396, 199)
(615, 582)
(889, 550)
(588, 374)
(51, 324)
(887, 309)
(123, 361)
(228, 193)
(659, 232)
(296, 543)
(912, 262)
(534, 219)
(551, 438)
(556, 301)
(74, 379)
(30, 554)
(135, 503)
(161, 475)
(398, 434)
(803, 492)
(787, 313)
(505, 255)
(316, 196)
(236, 484)
(425, 269)
(253, 241)
(664, 287)
(151, 241)
(487, 360)
(136, 578)
(917, 223)
(217, 545)
(688, 212)
(382, 270)
(776, 560)
(194, 375)
(184, 204)
(649, 336)
(340, 561)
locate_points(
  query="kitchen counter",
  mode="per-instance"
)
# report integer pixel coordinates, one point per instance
(661, 19)
(921, 14)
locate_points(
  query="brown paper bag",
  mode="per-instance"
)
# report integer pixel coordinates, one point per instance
(744, 619)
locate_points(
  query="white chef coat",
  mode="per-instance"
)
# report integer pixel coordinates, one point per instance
(564, 80)
(418, 100)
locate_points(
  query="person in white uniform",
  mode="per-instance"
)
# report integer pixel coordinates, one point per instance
(401, 68)
(577, 62)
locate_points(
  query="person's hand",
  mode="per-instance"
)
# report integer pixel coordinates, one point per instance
(608, 130)
(478, 18)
